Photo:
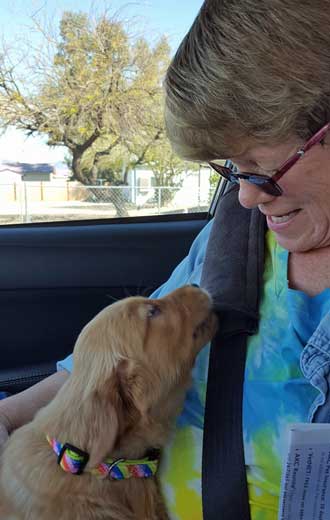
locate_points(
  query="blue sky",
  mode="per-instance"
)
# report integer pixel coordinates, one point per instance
(172, 17)
(152, 17)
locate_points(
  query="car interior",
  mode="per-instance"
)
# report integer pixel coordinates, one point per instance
(54, 277)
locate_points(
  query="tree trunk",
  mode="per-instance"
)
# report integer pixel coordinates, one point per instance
(118, 198)
(76, 166)
(119, 201)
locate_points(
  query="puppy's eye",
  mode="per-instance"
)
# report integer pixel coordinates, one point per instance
(153, 311)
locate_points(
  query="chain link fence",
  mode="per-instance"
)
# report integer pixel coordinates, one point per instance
(42, 201)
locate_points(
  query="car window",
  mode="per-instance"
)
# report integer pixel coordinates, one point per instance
(81, 113)
(57, 198)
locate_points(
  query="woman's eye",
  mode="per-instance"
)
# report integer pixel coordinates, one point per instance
(153, 311)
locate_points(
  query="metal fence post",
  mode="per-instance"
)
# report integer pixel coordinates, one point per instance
(25, 219)
(159, 200)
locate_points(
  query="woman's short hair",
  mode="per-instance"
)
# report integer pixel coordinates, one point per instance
(254, 70)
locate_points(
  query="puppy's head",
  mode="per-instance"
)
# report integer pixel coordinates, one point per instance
(137, 354)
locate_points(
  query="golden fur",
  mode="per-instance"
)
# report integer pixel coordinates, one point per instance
(132, 367)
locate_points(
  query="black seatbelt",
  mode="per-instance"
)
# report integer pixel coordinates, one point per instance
(232, 273)
(225, 495)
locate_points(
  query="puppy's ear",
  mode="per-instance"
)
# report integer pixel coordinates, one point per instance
(113, 413)
(104, 428)
(117, 408)
(137, 389)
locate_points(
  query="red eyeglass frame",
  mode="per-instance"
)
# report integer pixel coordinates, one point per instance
(269, 184)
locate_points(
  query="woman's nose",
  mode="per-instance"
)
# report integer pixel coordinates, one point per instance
(250, 196)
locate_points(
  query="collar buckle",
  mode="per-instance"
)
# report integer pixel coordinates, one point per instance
(80, 456)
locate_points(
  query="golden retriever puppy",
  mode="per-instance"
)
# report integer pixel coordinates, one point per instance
(132, 368)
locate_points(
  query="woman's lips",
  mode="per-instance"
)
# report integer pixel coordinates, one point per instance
(278, 222)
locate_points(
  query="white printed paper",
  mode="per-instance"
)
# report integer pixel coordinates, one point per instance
(305, 488)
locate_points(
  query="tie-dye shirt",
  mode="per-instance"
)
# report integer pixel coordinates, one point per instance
(275, 391)
(275, 394)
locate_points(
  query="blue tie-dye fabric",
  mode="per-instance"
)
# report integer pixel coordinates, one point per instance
(276, 393)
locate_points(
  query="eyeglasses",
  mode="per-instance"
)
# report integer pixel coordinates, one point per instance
(265, 183)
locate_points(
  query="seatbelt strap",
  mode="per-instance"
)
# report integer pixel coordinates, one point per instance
(225, 493)
(232, 273)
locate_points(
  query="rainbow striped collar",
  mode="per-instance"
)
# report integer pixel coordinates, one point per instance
(73, 460)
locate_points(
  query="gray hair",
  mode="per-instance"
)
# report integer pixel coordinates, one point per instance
(254, 70)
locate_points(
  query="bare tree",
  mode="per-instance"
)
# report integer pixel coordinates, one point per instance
(89, 87)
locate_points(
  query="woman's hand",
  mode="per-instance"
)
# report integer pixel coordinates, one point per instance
(20, 409)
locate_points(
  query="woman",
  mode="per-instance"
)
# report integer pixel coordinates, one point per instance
(250, 82)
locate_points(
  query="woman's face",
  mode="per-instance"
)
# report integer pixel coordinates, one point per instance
(300, 218)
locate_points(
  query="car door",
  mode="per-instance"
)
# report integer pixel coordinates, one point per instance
(55, 277)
